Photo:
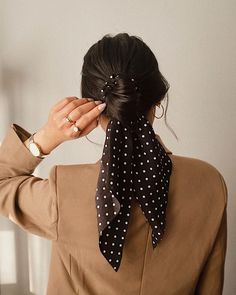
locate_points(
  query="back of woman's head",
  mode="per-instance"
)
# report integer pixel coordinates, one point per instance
(130, 58)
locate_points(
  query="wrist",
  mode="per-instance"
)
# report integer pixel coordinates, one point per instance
(45, 140)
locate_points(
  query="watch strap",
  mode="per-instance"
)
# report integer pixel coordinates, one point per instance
(31, 140)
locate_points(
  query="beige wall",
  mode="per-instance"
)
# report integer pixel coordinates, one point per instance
(42, 46)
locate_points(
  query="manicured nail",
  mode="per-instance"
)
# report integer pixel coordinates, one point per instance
(102, 106)
(98, 101)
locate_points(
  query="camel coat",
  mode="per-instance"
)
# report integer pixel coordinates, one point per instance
(189, 260)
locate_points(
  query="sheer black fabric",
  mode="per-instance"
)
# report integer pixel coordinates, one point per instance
(134, 164)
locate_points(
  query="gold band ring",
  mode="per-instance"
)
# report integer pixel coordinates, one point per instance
(68, 119)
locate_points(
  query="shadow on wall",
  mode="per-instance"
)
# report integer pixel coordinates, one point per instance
(14, 246)
(14, 259)
(11, 290)
(12, 107)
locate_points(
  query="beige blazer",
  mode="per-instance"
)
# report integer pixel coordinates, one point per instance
(189, 260)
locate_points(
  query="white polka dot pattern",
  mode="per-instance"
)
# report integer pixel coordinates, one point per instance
(134, 165)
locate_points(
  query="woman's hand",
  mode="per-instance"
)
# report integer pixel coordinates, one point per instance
(82, 112)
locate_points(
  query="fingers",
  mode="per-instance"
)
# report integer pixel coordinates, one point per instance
(80, 113)
(69, 107)
(61, 103)
(89, 128)
(90, 116)
(75, 109)
(87, 122)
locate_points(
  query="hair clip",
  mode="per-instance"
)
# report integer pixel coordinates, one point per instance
(114, 76)
(109, 84)
(136, 87)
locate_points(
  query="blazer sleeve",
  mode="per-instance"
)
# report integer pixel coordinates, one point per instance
(211, 281)
(27, 200)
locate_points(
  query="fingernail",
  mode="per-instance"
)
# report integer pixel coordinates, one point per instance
(102, 106)
(98, 101)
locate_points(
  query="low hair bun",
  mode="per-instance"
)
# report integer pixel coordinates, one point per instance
(139, 84)
(122, 95)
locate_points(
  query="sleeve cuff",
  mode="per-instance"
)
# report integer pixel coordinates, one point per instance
(13, 152)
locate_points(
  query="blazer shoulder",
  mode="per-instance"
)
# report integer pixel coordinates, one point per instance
(196, 163)
(77, 166)
(202, 171)
(81, 169)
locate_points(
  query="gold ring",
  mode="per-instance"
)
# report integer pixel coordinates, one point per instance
(68, 119)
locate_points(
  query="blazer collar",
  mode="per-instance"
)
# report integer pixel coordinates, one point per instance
(159, 139)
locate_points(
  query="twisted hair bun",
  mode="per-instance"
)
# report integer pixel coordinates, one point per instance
(123, 72)
(122, 95)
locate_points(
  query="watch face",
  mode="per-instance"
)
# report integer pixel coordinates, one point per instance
(34, 149)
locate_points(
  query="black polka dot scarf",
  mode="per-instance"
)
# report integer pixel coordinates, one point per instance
(134, 164)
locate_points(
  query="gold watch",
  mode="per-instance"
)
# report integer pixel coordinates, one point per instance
(35, 148)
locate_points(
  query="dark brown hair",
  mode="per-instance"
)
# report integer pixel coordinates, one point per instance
(129, 57)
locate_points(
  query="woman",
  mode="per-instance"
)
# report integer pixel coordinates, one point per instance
(140, 220)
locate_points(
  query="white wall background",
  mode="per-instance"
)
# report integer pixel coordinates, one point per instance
(41, 51)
